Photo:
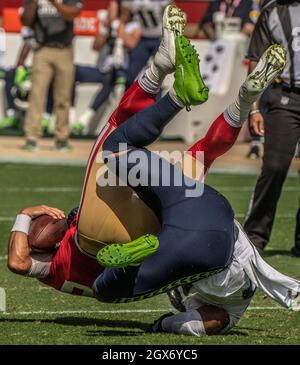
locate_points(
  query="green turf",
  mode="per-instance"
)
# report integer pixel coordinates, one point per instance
(258, 326)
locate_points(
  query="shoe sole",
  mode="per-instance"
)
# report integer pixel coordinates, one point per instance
(186, 54)
(118, 255)
(173, 19)
(30, 149)
(273, 62)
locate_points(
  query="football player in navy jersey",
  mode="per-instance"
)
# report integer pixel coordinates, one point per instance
(149, 14)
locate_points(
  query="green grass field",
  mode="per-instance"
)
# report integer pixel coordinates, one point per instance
(37, 314)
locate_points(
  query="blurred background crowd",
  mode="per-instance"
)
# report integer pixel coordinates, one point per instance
(44, 83)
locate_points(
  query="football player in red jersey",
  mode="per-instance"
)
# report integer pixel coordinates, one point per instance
(64, 267)
(113, 214)
(103, 216)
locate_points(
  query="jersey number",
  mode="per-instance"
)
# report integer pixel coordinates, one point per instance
(148, 18)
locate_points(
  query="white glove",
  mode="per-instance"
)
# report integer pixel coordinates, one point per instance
(109, 63)
(118, 53)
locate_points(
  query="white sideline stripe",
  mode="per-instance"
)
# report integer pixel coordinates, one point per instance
(3, 258)
(121, 311)
(251, 188)
(290, 216)
(59, 189)
(6, 219)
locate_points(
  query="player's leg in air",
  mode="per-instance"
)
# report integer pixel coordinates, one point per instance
(110, 206)
(223, 132)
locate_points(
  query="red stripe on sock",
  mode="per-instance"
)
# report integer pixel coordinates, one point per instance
(134, 100)
(218, 140)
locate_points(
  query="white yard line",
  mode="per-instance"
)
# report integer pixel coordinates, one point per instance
(251, 188)
(120, 311)
(3, 258)
(290, 216)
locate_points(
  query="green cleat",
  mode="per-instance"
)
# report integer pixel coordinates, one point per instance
(78, 129)
(118, 255)
(45, 122)
(9, 122)
(188, 84)
(30, 146)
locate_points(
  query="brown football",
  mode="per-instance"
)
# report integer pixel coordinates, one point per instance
(45, 232)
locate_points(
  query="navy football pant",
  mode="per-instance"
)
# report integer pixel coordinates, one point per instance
(197, 234)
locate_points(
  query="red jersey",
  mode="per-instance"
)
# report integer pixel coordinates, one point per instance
(72, 271)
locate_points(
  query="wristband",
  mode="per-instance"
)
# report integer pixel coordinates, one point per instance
(252, 112)
(22, 223)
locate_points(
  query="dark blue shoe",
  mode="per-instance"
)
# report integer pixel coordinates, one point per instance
(156, 327)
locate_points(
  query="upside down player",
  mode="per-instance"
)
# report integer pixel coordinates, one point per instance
(80, 241)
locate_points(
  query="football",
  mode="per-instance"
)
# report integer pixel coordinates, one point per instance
(45, 232)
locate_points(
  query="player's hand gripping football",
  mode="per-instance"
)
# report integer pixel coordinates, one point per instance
(38, 210)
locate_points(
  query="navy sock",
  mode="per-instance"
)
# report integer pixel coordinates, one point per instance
(144, 127)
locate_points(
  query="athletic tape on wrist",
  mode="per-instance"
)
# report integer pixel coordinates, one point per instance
(22, 224)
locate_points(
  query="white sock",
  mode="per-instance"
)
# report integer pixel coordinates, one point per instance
(237, 112)
(149, 85)
(46, 116)
(185, 323)
(11, 113)
(72, 114)
(86, 117)
(152, 78)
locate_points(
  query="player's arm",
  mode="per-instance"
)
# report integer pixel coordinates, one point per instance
(207, 22)
(248, 28)
(99, 41)
(19, 260)
(248, 22)
(23, 54)
(130, 40)
(29, 12)
(256, 119)
(68, 11)
(125, 11)
(261, 39)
